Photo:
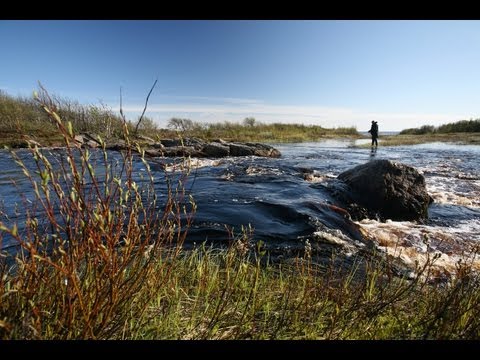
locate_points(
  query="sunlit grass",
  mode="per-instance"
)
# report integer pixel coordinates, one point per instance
(269, 132)
(225, 295)
(397, 140)
(21, 119)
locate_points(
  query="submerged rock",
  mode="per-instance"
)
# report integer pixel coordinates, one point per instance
(384, 189)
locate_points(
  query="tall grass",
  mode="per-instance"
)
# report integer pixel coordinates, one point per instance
(21, 120)
(253, 131)
(228, 295)
(101, 257)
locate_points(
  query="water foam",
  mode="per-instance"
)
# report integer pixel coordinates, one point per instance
(416, 243)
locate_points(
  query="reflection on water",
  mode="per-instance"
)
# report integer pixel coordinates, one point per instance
(284, 201)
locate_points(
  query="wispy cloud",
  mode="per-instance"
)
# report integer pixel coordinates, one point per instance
(232, 109)
(227, 100)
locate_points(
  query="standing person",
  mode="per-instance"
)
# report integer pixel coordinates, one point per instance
(374, 132)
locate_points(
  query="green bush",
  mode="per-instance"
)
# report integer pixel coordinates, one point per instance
(467, 126)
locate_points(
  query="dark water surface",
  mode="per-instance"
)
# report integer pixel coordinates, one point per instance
(286, 203)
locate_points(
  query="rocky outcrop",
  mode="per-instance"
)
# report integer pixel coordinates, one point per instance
(193, 147)
(383, 189)
(216, 149)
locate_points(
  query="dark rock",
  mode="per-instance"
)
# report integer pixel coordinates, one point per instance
(388, 189)
(196, 143)
(216, 150)
(158, 145)
(240, 150)
(176, 151)
(194, 147)
(154, 152)
(117, 145)
(171, 142)
(264, 150)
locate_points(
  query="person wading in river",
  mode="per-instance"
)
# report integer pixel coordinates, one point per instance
(374, 132)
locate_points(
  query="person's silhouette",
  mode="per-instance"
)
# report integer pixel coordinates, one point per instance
(374, 132)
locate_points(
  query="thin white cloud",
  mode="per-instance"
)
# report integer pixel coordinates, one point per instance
(318, 115)
(228, 100)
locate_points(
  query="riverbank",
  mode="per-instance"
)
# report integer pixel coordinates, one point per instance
(47, 137)
(228, 294)
(458, 138)
(273, 133)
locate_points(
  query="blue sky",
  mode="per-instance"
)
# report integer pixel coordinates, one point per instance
(330, 73)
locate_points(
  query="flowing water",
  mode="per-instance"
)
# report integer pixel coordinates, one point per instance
(286, 200)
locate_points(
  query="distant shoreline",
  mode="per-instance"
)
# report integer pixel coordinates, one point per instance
(386, 139)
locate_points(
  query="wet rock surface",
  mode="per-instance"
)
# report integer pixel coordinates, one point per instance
(199, 148)
(383, 189)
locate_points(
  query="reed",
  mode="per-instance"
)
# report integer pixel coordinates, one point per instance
(92, 240)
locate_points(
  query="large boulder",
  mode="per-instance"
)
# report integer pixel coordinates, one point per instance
(387, 189)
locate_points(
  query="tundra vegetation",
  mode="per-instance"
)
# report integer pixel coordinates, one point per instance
(21, 119)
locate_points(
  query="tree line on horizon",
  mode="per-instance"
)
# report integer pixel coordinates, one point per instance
(466, 126)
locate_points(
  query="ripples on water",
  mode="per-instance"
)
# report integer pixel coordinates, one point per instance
(283, 202)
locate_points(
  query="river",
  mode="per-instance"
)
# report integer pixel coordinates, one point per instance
(283, 200)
